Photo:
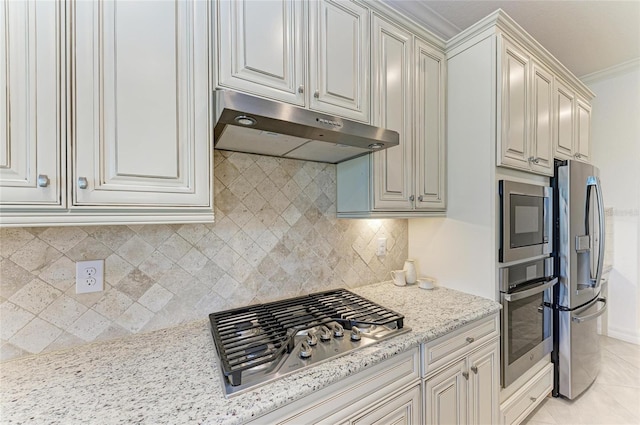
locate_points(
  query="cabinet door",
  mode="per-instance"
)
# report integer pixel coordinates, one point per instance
(339, 58)
(391, 99)
(583, 131)
(429, 127)
(541, 156)
(261, 48)
(446, 396)
(403, 408)
(513, 143)
(564, 101)
(141, 114)
(484, 385)
(31, 104)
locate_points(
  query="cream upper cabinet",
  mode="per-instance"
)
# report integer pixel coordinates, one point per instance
(408, 96)
(106, 112)
(541, 143)
(141, 104)
(572, 130)
(429, 124)
(330, 74)
(526, 113)
(392, 50)
(583, 131)
(339, 58)
(31, 105)
(564, 105)
(262, 47)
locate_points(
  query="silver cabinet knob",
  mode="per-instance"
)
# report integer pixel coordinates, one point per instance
(577, 156)
(470, 339)
(300, 89)
(43, 180)
(534, 159)
(316, 94)
(474, 369)
(420, 198)
(83, 183)
(466, 375)
(412, 198)
(533, 399)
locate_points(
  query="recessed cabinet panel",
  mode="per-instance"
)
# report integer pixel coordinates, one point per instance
(541, 156)
(515, 74)
(446, 396)
(583, 131)
(261, 48)
(404, 408)
(563, 130)
(339, 58)
(392, 49)
(31, 104)
(141, 94)
(484, 382)
(429, 125)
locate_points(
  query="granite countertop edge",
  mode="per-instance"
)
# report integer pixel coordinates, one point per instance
(172, 376)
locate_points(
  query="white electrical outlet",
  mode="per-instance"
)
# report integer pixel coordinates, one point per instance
(382, 247)
(89, 276)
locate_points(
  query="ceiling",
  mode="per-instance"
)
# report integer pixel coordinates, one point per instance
(586, 36)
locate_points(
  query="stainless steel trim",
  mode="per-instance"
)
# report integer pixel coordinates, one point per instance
(524, 294)
(507, 253)
(602, 232)
(581, 319)
(293, 132)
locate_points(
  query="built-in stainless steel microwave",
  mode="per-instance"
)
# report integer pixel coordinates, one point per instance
(525, 221)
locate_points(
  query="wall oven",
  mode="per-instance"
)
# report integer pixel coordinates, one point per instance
(525, 221)
(526, 316)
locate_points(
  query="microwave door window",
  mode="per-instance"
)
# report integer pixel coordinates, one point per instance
(527, 220)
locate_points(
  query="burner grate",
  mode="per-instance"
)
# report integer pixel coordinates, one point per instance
(256, 335)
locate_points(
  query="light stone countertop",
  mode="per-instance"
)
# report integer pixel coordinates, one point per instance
(171, 376)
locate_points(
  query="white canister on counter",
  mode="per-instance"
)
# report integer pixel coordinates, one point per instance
(410, 269)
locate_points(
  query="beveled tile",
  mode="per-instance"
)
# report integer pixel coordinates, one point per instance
(63, 312)
(35, 296)
(175, 247)
(113, 236)
(35, 336)
(116, 268)
(113, 304)
(155, 234)
(135, 250)
(89, 249)
(61, 274)
(193, 232)
(12, 318)
(134, 318)
(35, 255)
(89, 326)
(63, 238)
(12, 239)
(12, 278)
(155, 298)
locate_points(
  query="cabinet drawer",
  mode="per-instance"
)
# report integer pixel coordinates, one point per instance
(339, 401)
(515, 409)
(443, 350)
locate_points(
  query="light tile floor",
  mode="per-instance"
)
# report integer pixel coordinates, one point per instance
(614, 398)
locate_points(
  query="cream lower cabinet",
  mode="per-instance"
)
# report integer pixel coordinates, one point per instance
(408, 97)
(316, 54)
(389, 392)
(131, 129)
(462, 384)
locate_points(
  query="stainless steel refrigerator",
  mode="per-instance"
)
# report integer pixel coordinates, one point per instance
(579, 254)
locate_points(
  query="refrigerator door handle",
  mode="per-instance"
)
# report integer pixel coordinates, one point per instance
(529, 292)
(581, 319)
(601, 229)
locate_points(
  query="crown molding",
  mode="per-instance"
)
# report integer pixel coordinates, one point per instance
(612, 71)
(426, 16)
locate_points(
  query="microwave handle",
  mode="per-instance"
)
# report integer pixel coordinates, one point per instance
(529, 292)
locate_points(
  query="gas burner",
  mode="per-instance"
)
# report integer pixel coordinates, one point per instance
(263, 342)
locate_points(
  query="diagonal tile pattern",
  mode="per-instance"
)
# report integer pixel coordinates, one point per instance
(276, 235)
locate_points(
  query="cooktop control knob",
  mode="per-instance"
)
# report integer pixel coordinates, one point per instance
(338, 330)
(312, 339)
(326, 334)
(355, 334)
(305, 351)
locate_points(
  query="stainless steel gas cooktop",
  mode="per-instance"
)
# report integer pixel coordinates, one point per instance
(263, 342)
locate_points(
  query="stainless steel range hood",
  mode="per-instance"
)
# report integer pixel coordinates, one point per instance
(250, 124)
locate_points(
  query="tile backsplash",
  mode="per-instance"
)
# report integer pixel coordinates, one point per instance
(276, 235)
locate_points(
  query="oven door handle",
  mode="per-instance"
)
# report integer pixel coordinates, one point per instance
(533, 291)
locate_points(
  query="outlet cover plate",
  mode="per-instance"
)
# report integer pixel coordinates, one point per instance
(89, 276)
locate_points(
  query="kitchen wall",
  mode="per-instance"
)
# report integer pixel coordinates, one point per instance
(276, 235)
(616, 151)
